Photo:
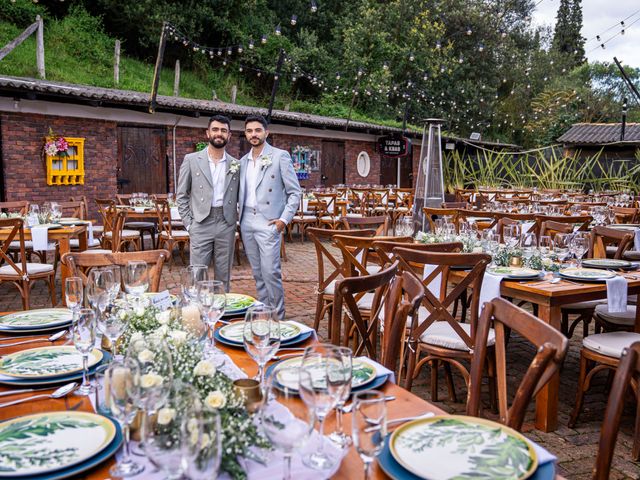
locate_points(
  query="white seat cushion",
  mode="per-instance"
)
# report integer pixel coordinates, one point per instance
(32, 269)
(75, 243)
(98, 228)
(28, 245)
(366, 301)
(353, 215)
(583, 305)
(140, 224)
(373, 269)
(331, 288)
(442, 334)
(327, 218)
(96, 250)
(176, 234)
(125, 233)
(631, 255)
(627, 318)
(177, 223)
(305, 217)
(610, 344)
(401, 209)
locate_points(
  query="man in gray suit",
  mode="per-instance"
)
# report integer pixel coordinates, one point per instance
(269, 198)
(207, 200)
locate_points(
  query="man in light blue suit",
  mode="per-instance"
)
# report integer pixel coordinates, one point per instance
(268, 200)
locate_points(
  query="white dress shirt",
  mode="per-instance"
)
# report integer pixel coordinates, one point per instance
(251, 182)
(218, 171)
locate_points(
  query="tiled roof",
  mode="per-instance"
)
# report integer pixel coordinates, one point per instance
(115, 97)
(600, 133)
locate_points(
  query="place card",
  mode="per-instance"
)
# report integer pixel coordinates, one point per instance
(162, 300)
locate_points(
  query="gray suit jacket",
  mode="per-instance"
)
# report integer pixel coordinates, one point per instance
(195, 189)
(278, 191)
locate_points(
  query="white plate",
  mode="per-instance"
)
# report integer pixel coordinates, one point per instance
(586, 274)
(41, 318)
(46, 362)
(362, 372)
(234, 331)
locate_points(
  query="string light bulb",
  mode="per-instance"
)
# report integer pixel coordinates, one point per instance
(294, 19)
(314, 6)
(278, 30)
(263, 39)
(251, 44)
(240, 48)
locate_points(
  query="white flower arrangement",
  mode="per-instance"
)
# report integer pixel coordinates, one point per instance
(234, 166)
(265, 161)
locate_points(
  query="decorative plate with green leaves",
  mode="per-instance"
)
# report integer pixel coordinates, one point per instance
(462, 448)
(46, 442)
(42, 318)
(606, 263)
(514, 272)
(234, 331)
(586, 274)
(46, 362)
(237, 302)
(362, 372)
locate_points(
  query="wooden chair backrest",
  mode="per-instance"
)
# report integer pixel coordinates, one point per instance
(80, 263)
(73, 209)
(583, 221)
(551, 347)
(384, 248)
(347, 294)
(438, 307)
(356, 251)
(462, 205)
(163, 211)
(107, 210)
(379, 223)
(85, 204)
(123, 198)
(625, 214)
(331, 207)
(601, 237)
(626, 374)
(550, 228)
(19, 206)
(402, 301)
(330, 266)
(17, 230)
(429, 213)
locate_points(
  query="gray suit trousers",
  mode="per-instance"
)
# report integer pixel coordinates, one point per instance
(262, 246)
(213, 237)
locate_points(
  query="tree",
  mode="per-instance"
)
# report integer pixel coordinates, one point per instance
(567, 39)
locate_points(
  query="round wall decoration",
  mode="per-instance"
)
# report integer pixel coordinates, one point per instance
(364, 164)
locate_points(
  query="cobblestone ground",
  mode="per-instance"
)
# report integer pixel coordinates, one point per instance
(576, 448)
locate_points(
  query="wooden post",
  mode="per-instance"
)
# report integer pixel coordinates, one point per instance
(176, 80)
(234, 93)
(215, 96)
(116, 64)
(276, 82)
(8, 48)
(40, 48)
(158, 68)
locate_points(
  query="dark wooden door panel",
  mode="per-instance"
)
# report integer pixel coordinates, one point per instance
(389, 171)
(332, 163)
(142, 160)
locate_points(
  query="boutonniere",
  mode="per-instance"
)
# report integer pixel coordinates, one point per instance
(234, 166)
(265, 161)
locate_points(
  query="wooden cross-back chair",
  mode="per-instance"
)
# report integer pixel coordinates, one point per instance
(330, 267)
(429, 213)
(384, 248)
(551, 228)
(169, 237)
(115, 236)
(329, 215)
(80, 263)
(626, 376)
(362, 328)
(74, 209)
(380, 223)
(603, 237)
(551, 348)
(22, 273)
(358, 251)
(439, 335)
(582, 221)
(625, 214)
(18, 206)
(303, 219)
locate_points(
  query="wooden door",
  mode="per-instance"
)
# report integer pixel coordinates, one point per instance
(389, 171)
(332, 159)
(406, 172)
(142, 160)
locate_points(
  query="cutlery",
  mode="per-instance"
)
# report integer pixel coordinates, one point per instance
(22, 337)
(24, 390)
(347, 408)
(400, 420)
(551, 282)
(279, 357)
(63, 391)
(52, 338)
(292, 348)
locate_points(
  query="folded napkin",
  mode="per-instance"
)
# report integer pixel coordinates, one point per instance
(546, 464)
(175, 215)
(139, 209)
(380, 369)
(617, 294)
(40, 238)
(636, 240)
(305, 204)
(490, 288)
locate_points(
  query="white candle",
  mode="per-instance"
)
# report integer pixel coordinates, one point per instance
(192, 321)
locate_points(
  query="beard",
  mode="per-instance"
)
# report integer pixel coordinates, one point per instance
(218, 142)
(257, 139)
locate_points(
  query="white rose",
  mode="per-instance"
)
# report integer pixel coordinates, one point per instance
(215, 400)
(123, 314)
(178, 337)
(192, 425)
(204, 368)
(164, 317)
(163, 330)
(165, 415)
(149, 380)
(146, 356)
(136, 337)
(140, 311)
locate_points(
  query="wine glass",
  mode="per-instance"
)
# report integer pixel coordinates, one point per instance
(369, 429)
(545, 246)
(529, 243)
(203, 443)
(340, 375)
(404, 227)
(561, 246)
(73, 292)
(84, 339)
(114, 322)
(511, 235)
(212, 300)
(56, 212)
(579, 246)
(261, 335)
(193, 275)
(136, 279)
(116, 284)
(98, 285)
(491, 244)
(319, 391)
(123, 380)
(291, 431)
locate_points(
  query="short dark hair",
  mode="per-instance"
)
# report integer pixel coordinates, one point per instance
(220, 119)
(256, 118)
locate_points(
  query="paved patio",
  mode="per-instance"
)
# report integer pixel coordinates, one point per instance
(575, 448)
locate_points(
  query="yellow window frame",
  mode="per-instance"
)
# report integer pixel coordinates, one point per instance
(67, 169)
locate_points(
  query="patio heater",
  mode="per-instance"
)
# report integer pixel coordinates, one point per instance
(430, 182)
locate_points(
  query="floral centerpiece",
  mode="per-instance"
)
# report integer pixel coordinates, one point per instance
(469, 243)
(215, 389)
(54, 145)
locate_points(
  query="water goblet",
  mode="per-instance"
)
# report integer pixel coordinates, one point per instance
(114, 322)
(529, 243)
(193, 275)
(212, 301)
(116, 285)
(545, 246)
(73, 292)
(56, 212)
(561, 246)
(202, 434)
(261, 335)
(136, 279)
(340, 375)
(511, 235)
(579, 246)
(98, 285)
(84, 339)
(369, 429)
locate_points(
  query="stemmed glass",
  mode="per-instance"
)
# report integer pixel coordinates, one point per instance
(84, 339)
(369, 419)
(545, 246)
(340, 374)
(285, 420)
(98, 285)
(561, 246)
(529, 243)
(511, 235)
(73, 292)
(193, 275)
(136, 280)
(203, 443)
(212, 300)
(261, 335)
(116, 284)
(123, 379)
(579, 246)
(114, 322)
(56, 212)
(491, 244)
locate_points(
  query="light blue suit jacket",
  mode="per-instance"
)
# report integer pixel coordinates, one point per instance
(278, 191)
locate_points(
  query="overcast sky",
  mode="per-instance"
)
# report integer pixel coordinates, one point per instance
(598, 18)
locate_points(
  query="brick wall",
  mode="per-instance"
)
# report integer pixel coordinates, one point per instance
(24, 167)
